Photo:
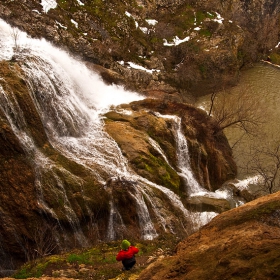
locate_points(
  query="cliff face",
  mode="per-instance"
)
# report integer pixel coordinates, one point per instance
(239, 244)
(172, 50)
(183, 47)
(48, 195)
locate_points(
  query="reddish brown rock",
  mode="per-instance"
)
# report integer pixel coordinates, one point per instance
(242, 243)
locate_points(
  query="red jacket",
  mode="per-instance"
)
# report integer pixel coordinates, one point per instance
(127, 254)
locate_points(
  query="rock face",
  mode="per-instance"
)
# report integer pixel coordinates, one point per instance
(183, 48)
(239, 244)
(210, 158)
(48, 197)
(24, 200)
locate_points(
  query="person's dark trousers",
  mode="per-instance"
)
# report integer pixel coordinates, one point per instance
(128, 263)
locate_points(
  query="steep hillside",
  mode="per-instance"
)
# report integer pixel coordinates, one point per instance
(179, 48)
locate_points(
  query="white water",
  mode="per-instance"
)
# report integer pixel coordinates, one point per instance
(70, 99)
(183, 156)
(115, 223)
(146, 225)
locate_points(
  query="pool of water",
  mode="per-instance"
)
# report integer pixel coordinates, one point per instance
(261, 85)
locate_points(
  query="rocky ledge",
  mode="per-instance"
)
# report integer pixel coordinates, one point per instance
(242, 243)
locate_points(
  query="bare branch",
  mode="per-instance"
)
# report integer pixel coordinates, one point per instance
(235, 110)
(266, 163)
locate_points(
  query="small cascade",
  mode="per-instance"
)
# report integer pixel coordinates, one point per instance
(174, 198)
(115, 225)
(145, 222)
(184, 159)
(183, 164)
(157, 147)
(157, 208)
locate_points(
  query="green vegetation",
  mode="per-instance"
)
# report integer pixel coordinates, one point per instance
(158, 171)
(98, 262)
(275, 58)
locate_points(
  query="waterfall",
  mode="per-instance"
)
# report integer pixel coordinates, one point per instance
(183, 164)
(115, 223)
(70, 100)
(146, 225)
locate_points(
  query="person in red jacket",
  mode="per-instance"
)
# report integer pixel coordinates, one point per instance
(127, 255)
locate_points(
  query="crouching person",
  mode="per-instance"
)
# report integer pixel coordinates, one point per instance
(127, 255)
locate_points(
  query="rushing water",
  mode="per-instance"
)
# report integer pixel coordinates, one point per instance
(70, 100)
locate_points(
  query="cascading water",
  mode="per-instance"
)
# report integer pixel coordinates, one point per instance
(70, 99)
(183, 156)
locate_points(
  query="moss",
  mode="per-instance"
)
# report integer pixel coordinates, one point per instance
(22, 274)
(35, 269)
(205, 32)
(275, 58)
(158, 171)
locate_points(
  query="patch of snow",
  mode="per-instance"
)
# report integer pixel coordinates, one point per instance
(219, 19)
(151, 21)
(277, 46)
(60, 25)
(144, 30)
(194, 18)
(80, 3)
(36, 11)
(139, 67)
(48, 4)
(197, 28)
(74, 22)
(203, 107)
(130, 15)
(176, 41)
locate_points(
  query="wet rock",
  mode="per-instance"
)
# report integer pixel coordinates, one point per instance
(206, 203)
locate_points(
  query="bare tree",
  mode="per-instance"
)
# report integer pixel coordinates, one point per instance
(43, 242)
(235, 109)
(266, 163)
